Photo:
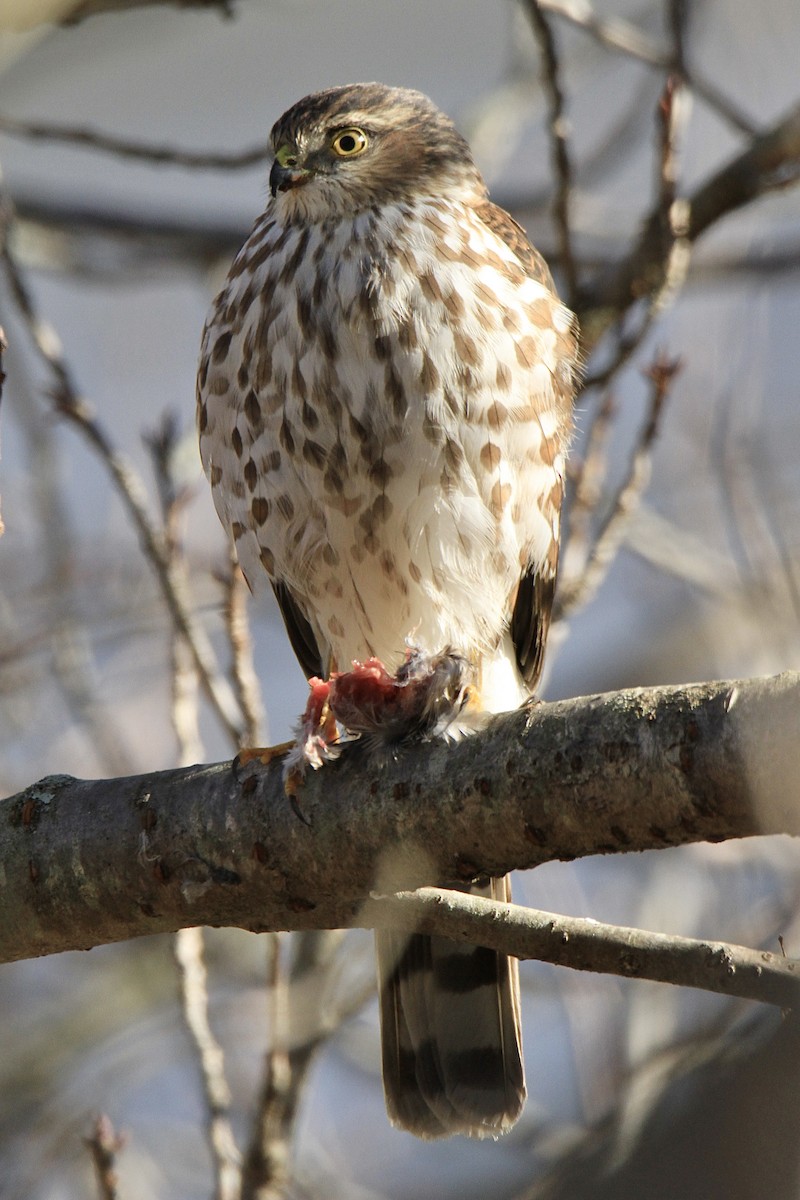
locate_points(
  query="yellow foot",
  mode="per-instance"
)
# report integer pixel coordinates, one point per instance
(261, 754)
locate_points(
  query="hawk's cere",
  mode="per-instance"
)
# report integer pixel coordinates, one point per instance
(384, 405)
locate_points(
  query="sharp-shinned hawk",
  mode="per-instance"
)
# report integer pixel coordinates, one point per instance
(384, 405)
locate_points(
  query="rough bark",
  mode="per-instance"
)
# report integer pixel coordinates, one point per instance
(85, 862)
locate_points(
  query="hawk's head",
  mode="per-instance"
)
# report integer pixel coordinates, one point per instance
(351, 147)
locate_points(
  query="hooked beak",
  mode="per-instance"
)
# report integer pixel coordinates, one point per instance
(281, 179)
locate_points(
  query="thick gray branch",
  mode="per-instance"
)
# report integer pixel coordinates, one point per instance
(88, 862)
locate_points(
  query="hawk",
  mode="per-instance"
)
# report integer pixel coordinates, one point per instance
(384, 405)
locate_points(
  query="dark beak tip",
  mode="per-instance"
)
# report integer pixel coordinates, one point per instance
(283, 179)
(275, 178)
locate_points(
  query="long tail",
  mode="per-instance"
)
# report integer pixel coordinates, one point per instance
(450, 1028)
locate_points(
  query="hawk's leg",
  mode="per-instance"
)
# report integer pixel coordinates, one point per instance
(261, 754)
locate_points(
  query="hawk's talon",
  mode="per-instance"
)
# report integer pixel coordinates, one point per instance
(529, 707)
(263, 755)
(292, 784)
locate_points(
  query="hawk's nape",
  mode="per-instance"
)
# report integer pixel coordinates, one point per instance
(384, 407)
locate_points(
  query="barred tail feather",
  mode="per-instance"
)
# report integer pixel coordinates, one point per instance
(450, 1027)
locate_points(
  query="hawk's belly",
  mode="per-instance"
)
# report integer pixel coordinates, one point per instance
(389, 445)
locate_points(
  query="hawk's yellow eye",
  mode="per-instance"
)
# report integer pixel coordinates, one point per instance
(286, 156)
(347, 143)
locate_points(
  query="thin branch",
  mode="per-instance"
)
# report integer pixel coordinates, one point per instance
(88, 235)
(184, 713)
(671, 217)
(303, 1019)
(587, 945)
(632, 770)
(614, 33)
(66, 641)
(104, 1145)
(245, 680)
(558, 129)
(3, 348)
(189, 955)
(585, 475)
(266, 1166)
(189, 944)
(770, 162)
(68, 403)
(84, 138)
(581, 584)
(266, 1171)
(84, 9)
(677, 15)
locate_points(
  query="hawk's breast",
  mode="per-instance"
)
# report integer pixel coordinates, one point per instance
(383, 420)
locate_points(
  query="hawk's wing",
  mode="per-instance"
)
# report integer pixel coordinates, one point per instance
(301, 636)
(530, 622)
(503, 224)
(530, 619)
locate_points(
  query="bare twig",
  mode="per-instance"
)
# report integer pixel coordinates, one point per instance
(588, 945)
(585, 476)
(245, 681)
(189, 955)
(302, 1020)
(671, 218)
(65, 637)
(189, 945)
(266, 1167)
(3, 348)
(68, 403)
(677, 14)
(82, 9)
(578, 588)
(770, 162)
(614, 33)
(94, 139)
(173, 496)
(559, 142)
(587, 561)
(104, 1145)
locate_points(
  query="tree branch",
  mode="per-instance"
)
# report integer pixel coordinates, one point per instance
(588, 945)
(771, 161)
(558, 130)
(189, 950)
(68, 402)
(83, 9)
(614, 33)
(104, 1145)
(85, 138)
(594, 554)
(83, 862)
